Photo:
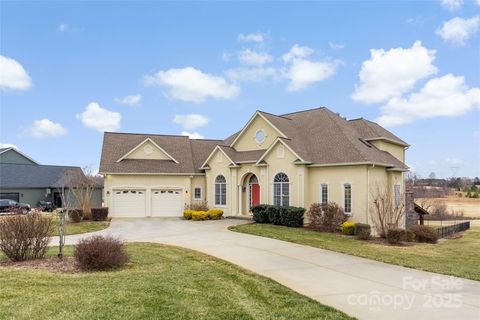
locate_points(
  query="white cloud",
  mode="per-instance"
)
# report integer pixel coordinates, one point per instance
(453, 160)
(100, 119)
(433, 162)
(416, 21)
(457, 31)
(444, 96)
(190, 121)
(391, 73)
(297, 52)
(190, 84)
(132, 100)
(7, 145)
(335, 46)
(13, 75)
(192, 135)
(452, 5)
(251, 57)
(478, 2)
(252, 37)
(226, 56)
(251, 74)
(303, 73)
(47, 128)
(63, 27)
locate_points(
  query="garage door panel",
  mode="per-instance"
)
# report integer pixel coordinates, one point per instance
(129, 203)
(167, 202)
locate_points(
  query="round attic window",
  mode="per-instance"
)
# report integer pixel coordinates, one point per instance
(260, 136)
(148, 150)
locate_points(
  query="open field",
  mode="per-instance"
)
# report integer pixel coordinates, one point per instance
(457, 257)
(160, 282)
(469, 206)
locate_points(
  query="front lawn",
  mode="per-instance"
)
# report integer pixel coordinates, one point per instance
(160, 282)
(80, 227)
(456, 257)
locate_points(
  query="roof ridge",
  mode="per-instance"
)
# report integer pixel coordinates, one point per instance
(149, 134)
(275, 115)
(306, 110)
(40, 165)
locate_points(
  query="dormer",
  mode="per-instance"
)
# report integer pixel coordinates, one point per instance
(393, 147)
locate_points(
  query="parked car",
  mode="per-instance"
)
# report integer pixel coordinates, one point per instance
(7, 205)
(45, 206)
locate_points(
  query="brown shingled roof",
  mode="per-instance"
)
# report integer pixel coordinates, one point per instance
(319, 136)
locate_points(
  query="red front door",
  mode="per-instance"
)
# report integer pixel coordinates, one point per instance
(255, 190)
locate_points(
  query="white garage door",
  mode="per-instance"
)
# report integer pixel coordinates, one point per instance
(167, 203)
(128, 203)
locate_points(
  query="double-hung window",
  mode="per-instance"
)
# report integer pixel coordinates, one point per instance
(347, 197)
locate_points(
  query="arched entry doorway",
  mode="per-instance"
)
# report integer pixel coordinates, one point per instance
(254, 192)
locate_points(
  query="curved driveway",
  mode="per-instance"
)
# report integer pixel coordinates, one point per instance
(359, 287)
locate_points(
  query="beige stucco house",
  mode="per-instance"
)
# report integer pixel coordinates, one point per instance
(291, 159)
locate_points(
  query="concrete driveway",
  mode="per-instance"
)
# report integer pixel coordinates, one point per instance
(360, 287)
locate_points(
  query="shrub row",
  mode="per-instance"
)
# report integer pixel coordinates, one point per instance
(99, 214)
(278, 215)
(417, 233)
(361, 231)
(212, 214)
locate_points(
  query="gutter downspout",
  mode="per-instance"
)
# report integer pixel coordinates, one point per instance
(368, 192)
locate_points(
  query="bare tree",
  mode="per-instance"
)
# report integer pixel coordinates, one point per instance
(82, 184)
(388, 212)
(76, 192)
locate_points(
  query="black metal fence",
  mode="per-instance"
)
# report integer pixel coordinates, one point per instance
(454, 228)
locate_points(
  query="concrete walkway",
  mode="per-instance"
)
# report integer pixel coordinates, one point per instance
(360, 287)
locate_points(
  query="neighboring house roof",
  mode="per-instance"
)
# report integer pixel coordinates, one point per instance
(12, 149)
(33, 176)
(317, 136)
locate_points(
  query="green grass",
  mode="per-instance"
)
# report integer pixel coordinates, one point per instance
(160, 282)
(81, 227)
(456, 257)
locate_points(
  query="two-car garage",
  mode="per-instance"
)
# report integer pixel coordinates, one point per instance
(143, 202)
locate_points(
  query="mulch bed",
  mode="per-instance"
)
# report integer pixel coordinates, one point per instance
(67, 265)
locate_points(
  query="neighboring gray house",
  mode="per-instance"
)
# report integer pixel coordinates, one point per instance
(24, 180)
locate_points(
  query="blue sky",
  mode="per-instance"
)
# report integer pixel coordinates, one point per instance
(72, 70)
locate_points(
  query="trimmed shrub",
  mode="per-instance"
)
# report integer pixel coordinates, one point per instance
(99, 214)
(274, 215)
(24, 237)
(348, 228)
(187, 214)
(363, 231)
(198, 206)
(260, 213)
(75, 215)
(409, 236)
(199, 215)
(425, 234)
(291, 216)
(215, 214)
(100, 253)
(395, 236)
(326, 217)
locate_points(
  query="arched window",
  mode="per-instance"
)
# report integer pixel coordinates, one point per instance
(281, 190)
(220, 191)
